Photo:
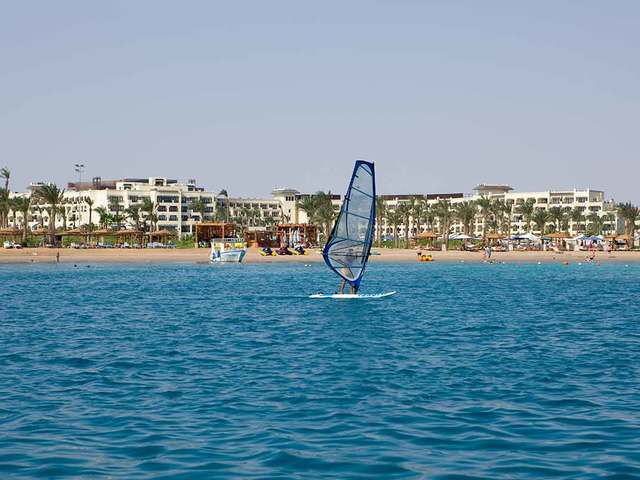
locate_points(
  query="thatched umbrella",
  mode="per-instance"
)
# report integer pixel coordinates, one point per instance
(9, 232)
(558, 235)
(495, 236)
(161, 233)
(73, 231)
(427, 235)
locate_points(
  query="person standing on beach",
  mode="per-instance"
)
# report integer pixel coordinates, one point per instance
(58, 256)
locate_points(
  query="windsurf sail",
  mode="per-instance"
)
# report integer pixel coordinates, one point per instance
(349, 245)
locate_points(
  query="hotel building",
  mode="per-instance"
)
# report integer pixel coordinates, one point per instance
(175, 205)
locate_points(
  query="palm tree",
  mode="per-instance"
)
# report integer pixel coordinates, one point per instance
(225, 194)
(104, 216)
(51, 196)
(309, 205)
(6, 174)
(527, 209)
(62, 211)
(134, 214)
(4, 206)
(596, 224)
(380, 215)
(556, 215)
(394, 218)
(630, 214)
(326, 214)
(485, 204)
(577, 217)
(89, 201)
(149, 207)
(540, 217)
(199, 206)
(466, 213)
(445, 215)
(417, 212)
(404, 210)
(23, 205)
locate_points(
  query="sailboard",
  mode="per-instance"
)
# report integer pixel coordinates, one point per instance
(347, 296)
(348, 247)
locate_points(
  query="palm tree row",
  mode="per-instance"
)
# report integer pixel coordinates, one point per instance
(319, 210)
(496, 216)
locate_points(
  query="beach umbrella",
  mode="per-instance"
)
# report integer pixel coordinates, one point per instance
(428, 235)
(495, 236)
(463, 236)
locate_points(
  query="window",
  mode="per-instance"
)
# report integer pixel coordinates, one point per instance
(162, 218)
(173, 218)
(185, 218)
(162, 208)
(167, 199)
(173, 208)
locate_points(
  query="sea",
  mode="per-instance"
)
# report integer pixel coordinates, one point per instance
(195, 371)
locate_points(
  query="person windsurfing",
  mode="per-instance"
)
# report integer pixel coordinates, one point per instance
(349, 258)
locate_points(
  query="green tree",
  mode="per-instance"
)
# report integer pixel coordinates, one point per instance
(466, 212)
(404, 210)
(630, 214)
(104, 215)
(595, 225)
(445, 215)
(417, 213)
(149, 208)
(62, 211)
(23, 205)
(556, 215)
(578, 218)
(486, 205)
(89, 201)
(199, 206)
(381, 208)
(394, 218)
(540, 218)
(134, 214)
(51, 196)
(527, 209)
(4, 207)
(225, 195)
(6, 174)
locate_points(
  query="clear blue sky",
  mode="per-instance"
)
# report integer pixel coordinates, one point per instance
(252, 95)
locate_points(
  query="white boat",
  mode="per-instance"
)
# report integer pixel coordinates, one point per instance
(230, 250)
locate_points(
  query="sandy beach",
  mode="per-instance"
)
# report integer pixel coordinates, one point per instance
(194, 255)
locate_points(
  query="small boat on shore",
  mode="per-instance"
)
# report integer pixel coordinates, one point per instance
(230, 250)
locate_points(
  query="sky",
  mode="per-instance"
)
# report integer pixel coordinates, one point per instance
(252, 95)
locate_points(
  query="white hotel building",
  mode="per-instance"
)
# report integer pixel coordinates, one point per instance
(587, 201)
(174, 202)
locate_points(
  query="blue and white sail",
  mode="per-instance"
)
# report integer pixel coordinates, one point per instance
(349, 245)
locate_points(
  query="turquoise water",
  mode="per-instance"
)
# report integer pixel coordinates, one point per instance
(229, 371)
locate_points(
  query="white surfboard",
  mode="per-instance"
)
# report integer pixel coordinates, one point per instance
(347, 296)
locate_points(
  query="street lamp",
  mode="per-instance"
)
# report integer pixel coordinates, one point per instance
(79, 169)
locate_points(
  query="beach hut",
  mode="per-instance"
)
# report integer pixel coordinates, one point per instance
(161, 235)
(428, 236)
(206, 231)
(294, 233)
(10, 235)
(129, 236)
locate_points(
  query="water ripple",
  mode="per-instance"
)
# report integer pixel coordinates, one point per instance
(194, 371)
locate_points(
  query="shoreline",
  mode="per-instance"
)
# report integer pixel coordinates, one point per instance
(201, 255)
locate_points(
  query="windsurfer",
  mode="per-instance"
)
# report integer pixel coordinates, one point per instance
(349, 258)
